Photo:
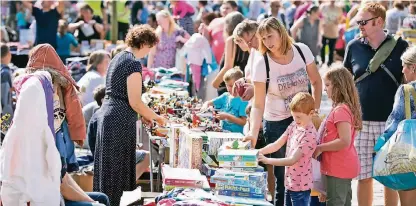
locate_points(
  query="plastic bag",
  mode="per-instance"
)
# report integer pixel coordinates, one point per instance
(318, 178)
(395, 164)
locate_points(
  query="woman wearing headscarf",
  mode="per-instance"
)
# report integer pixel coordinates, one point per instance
(64, 118)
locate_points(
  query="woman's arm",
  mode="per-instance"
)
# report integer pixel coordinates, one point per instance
(134, 93)
(71, 191)
(298, 24)
(28, 5)
(74, 26)
(99, 27)
(316, 83)
(344, 140)
(183, 38)
(395, 117)
(229, 54)
(257, 110)
(151, 57)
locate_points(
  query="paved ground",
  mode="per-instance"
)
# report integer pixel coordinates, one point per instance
(378, 188)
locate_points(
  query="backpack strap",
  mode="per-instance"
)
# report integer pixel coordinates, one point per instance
(378, 60)
(408, 90)
(282, 16)
(266, 61)
(300, 52)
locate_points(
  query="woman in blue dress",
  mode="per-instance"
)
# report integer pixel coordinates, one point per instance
(115, 160)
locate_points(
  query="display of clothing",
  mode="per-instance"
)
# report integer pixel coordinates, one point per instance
(30, 146)
(44, 56)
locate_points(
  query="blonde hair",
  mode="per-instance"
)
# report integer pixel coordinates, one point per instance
(271, 23)
(233, 74)
(172, 23)
(375, 9)
(409, 56)
(302, 102)
(96, 58)
(345, 92)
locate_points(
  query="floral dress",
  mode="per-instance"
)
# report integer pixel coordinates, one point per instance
(166, 49)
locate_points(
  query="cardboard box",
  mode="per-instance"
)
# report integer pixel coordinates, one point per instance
(217, 139)
(230, 155)
(84, 180)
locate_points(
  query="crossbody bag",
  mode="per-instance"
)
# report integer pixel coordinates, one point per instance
(378, 61)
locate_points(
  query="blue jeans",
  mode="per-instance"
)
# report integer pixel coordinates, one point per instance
(96, 196)
(272, 132)
(301, 198)
(315, 201)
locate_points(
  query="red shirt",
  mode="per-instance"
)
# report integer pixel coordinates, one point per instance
(344, 163)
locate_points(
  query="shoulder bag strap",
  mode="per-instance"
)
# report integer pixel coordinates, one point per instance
(300, 52)
(266, 61)
(378, 60)
(408, 90)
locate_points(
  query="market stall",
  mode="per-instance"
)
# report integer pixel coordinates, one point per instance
(206, 165)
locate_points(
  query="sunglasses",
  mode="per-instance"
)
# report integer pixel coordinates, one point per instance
(364, 22)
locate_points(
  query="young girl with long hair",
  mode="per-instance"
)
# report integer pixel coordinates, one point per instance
(339, 159)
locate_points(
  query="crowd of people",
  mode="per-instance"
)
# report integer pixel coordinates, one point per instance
(270, 50)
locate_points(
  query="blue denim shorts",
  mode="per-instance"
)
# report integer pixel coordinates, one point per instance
(140, 154)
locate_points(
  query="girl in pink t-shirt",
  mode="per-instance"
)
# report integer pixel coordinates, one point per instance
(339, 159)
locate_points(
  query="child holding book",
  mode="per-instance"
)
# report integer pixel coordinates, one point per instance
(300, 138)
(339, 159)
(232, 109)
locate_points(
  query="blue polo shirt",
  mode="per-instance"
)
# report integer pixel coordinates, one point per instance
(46, 26)
(377, 90)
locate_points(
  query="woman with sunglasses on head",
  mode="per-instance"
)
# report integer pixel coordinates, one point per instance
(234, 55)
(281, 69)
(376, 91)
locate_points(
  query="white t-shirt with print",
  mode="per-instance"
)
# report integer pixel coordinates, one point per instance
(248, 69)
(285, 81)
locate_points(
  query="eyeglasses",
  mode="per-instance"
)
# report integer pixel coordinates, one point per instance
(251, 40)
(364, 22)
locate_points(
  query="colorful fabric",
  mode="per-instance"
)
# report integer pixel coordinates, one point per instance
(45, 56)
(166, 50)
(29, 146)
(182, 9)
(299, 176)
